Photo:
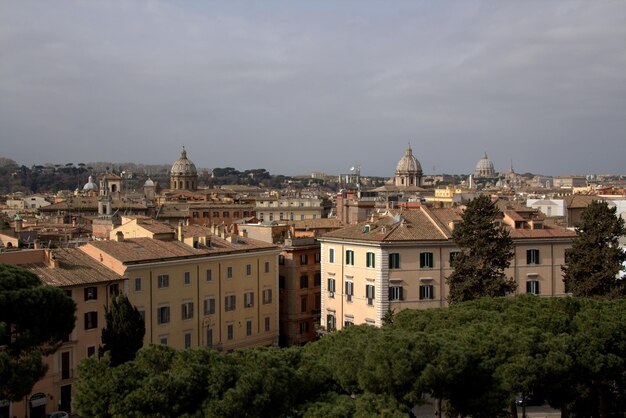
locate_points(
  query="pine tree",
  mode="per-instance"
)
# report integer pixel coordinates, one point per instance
(125, 328)
(595, 259)
(486, 251)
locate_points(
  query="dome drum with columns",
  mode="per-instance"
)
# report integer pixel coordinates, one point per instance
(183, 175)
(408, 171)
(484, 168)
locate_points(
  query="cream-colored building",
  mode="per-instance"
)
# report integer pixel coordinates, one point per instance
(288, 209)
(401, 261)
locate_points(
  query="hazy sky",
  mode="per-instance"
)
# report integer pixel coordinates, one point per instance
(295, 86)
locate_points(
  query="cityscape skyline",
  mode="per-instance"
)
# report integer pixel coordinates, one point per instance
(301, 87)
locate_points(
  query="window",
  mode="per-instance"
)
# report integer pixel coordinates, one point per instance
(532, 286)
(138, 284)
(303, 303)
(114, 289)
(267, 266)
(370, 260)
(427, 292)
(225, 214)
(248, 299)
(348, 323)
(91, 350)
(349, 291)
(68, 293)
(248, 269)
(163, 281)
(317, 257)
(209, 306)
(91, 293)
(229, 272)
(230, 303)
(394, 260)
(331, 288)
(195, 214)
(454, 255)
(369, 293)
(304, 259)
(216, 214)
(142, 313)
(396, 293)
(267, 323)
(163, 315)
(163, 339)
(426, 260)
(304, 281)
(187, 310)
(532, 257)
(205, 214)
(187, 278)
(281, 282)
(281, 260)
(317, 279)
(188, 339)
(331, 255)
(330, 322)
(209, 275)
(236, 214)
(304, 327)
(349, 257)
(209, 337)
(91, 320)
(248, 327)
(267, 296)
(230, 331)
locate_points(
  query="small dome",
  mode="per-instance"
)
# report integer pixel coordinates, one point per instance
(409, 164)
(183, 166)
(90, 185)
(148, 183)
(484, 167)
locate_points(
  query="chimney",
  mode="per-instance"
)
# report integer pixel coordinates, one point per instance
(179, 232)
(19, 223)
(119, 236)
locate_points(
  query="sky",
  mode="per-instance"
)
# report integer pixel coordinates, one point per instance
(302, 86)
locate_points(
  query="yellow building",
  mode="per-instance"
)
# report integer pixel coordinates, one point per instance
(401, 261)
(223, 293)
(91, 285)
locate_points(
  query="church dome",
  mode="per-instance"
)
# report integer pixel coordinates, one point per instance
(149, 183)
(183, 166)
(484, 167)
(90, 185)
(408, 164)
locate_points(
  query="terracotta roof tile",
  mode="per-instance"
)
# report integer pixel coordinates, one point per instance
(75, 268)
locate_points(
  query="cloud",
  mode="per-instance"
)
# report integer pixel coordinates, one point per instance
(299, 86)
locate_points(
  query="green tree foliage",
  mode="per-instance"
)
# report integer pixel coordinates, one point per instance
(474, 358)
(595, 259)
(486, 251)
(34, 319)
(124, 332)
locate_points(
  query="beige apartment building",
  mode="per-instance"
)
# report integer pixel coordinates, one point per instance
(288, 209)
(91, 285)
(401, 260)
(220, 291)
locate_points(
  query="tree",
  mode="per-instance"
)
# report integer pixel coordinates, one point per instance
(125, 328)
(595, 259)
(486, 251)
(34, 320)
